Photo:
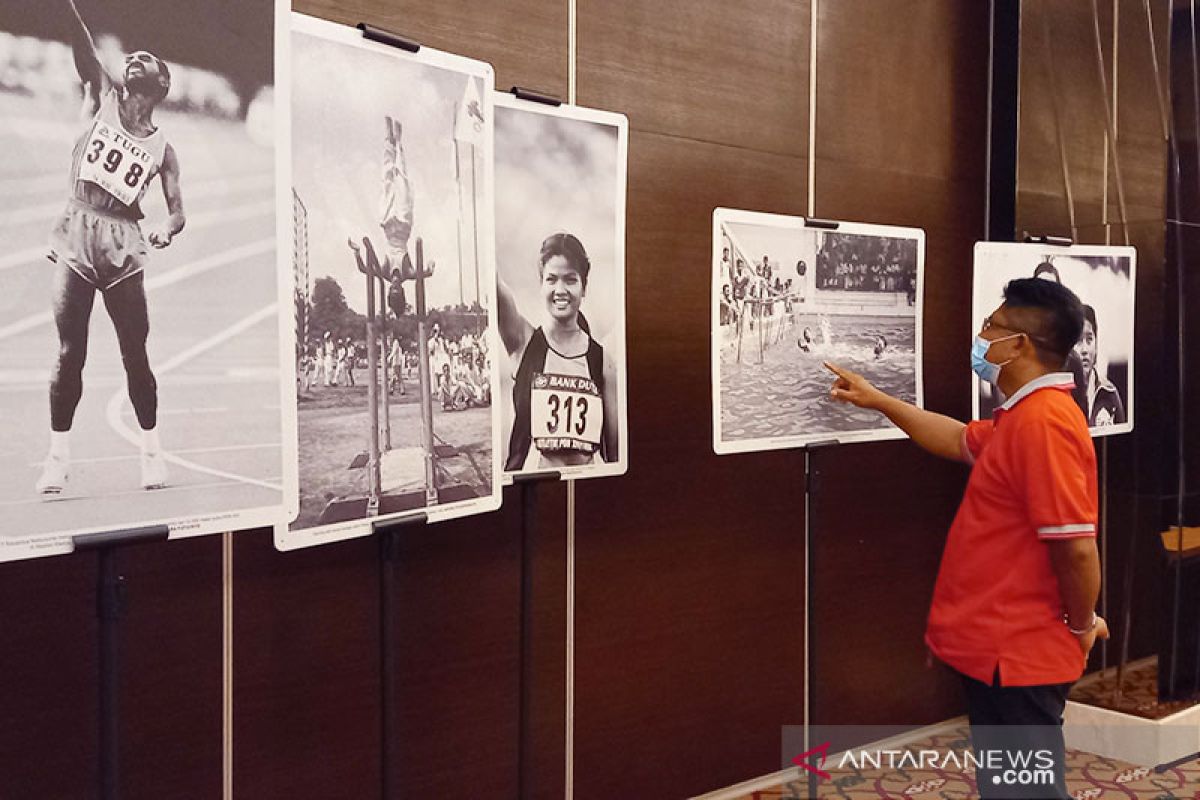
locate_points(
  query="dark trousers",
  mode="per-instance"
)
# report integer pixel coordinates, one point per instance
(1018, 730)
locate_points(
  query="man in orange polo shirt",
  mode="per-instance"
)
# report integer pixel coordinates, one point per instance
(1013, 608)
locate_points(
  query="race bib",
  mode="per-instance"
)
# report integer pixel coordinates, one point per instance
(116, 163)
(568, 413)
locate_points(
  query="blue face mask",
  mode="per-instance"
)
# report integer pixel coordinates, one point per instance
(986, 370)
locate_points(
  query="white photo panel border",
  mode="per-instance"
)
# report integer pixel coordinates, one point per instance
(1020, 260)
(510, 102)
(215, 518)
(285, 537)
(882, 431)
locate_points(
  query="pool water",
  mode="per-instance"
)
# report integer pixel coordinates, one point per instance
(788, 393)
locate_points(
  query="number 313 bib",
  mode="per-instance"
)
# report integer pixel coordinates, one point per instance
(568, 413)
(116, 163)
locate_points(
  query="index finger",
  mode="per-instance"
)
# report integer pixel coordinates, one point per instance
(835, 369)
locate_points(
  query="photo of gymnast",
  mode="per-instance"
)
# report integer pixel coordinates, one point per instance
(389, 270)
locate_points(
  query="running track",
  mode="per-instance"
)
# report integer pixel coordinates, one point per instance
(213, 339)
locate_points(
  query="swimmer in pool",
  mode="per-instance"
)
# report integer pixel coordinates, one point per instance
(805, 342)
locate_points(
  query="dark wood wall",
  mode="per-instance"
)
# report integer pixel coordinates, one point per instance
(689, 570)
(1066, 75)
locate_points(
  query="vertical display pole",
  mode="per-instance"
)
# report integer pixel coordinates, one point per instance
(812, 481)
(110, 596)
(528, 487)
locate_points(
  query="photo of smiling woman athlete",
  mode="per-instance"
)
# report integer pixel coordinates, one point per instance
(564, 384)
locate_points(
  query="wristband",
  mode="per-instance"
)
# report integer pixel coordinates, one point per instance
(1086, 629)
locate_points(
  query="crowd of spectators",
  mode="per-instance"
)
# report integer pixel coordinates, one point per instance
(851, 262)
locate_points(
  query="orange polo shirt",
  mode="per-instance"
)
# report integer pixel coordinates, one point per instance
(1033, 480)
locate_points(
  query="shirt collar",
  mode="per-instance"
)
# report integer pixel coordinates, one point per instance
(1052, 380)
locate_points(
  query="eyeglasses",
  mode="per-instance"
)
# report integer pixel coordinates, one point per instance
(989, 323)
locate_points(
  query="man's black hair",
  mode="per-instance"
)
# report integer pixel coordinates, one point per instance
(1057, 323)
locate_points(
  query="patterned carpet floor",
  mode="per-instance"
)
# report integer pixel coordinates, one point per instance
(1089, 777)
(1139, 691)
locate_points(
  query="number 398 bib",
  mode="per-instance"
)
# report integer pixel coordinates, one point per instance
(116, 163)
(568, 413)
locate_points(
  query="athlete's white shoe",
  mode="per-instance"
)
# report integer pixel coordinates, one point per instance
(154, 471)
(54, 476)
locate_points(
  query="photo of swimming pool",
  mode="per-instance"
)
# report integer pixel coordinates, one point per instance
(789, 296)
(788, 393)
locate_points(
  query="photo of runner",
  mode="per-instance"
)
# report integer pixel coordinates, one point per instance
(560, 246)
(163, 407)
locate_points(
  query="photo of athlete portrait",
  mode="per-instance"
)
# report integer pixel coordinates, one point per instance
(560, 233)
(1101, 363)
(138, 284)
(141, 185)
(390, 267)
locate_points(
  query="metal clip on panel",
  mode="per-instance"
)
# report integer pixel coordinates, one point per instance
(387, 37)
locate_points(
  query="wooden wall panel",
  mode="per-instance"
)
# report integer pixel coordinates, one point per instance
(1134, 470)
(1061, 96)
(1182, 291)
(48, 662)
(903, 111)
(689, 595)
(306, 666)
(307, 694)
(878, 538)
(900, 139)
(700, 70)
(170, 679)
(690, 568)
(525, 40)
(308, 707)
(171, 671)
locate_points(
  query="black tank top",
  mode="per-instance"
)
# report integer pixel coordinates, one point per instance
(532, 361)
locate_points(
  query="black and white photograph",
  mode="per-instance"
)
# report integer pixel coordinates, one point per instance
(141, 380)
(786, 298)
(560, 270)
(1101, 364)
(390, 269)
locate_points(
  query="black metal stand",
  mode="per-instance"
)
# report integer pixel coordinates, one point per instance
(110, 597)
(528, 485)
(812, 482)
(824, 224)
(389, 556)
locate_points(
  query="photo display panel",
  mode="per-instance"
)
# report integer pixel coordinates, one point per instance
(1101, 363)
(391, 267)
(560, 269)
(786, 298)
(141, 380)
